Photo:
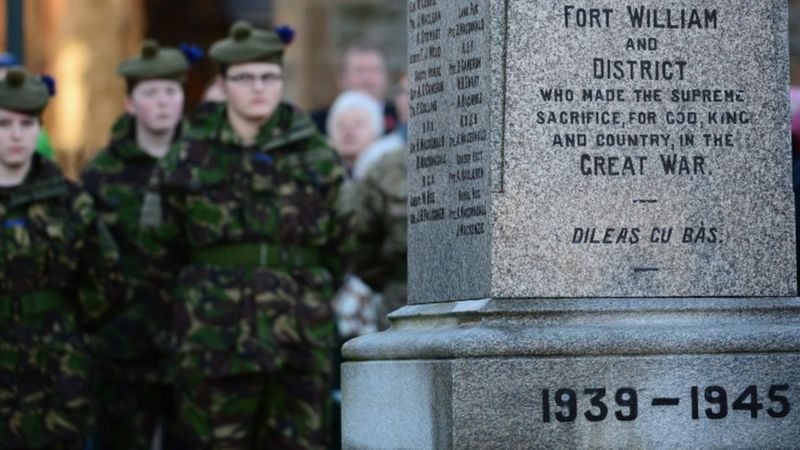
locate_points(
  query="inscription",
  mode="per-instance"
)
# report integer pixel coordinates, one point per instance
(639, 235)
(642, 17)
(636, 116)
(449, 76)
(598, 404)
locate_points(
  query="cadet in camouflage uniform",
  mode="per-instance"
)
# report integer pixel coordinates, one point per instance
(58, 276)
(381, 225)
(134, 392)
(244, 209)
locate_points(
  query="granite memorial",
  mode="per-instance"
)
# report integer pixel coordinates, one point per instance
(601, 233)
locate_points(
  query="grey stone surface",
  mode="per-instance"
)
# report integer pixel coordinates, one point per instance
(506, 322)
(585, 327)
(408, 405)
(742, 192)
(499, 403)
(453, 72)
(560, 222)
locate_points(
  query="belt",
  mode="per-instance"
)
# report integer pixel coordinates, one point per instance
(32, 304)
(253, 255)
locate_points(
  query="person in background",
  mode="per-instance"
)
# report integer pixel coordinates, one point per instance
(380, 218)
(135, 391)
(395, 140)
(59, 278)
(354, 123)
(212, 97)
(379, 205)
(363, 69)
(243, 223)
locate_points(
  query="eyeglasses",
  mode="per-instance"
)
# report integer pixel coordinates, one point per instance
(249, 79)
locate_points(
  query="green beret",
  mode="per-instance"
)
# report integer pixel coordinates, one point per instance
(248, 44)
(155, 63)
(23, 92)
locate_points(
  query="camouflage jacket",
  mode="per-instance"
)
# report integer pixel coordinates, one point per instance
(253, 236)
(381, 225)
(134, 344)
(58, 277)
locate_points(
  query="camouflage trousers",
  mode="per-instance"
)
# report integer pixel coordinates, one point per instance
(254, 412)
(128, 414)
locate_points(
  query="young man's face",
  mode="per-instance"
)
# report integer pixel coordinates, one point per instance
(253, 90)
(156, 104)
(18, 134)
(365, 71)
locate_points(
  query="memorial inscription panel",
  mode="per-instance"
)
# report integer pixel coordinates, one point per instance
(450, 129)
(647, 151)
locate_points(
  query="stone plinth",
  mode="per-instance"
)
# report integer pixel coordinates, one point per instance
(488, 374)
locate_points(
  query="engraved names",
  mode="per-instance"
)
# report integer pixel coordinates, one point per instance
(449, 120)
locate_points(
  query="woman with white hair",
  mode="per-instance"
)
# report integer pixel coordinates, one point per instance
(355, 122)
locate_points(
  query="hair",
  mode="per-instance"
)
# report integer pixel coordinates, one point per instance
(359, 100)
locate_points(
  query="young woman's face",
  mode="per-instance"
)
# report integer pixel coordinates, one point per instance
(18, 135)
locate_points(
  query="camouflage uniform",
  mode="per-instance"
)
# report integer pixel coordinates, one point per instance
(381, 225)
(134, 391)
(255, 234)
(58, 276)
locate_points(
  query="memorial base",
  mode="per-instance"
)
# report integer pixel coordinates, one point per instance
(578, 373)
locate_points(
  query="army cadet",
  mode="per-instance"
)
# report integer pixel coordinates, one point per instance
(380, 218)
(244, 209)
(43, 145)
(134, 390)
(58, 278)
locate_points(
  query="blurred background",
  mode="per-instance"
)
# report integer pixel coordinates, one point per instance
(80, 42)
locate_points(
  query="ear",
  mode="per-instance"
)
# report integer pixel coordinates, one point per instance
(129, 108)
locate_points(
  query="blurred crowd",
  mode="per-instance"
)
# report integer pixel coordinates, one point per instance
(193, 289)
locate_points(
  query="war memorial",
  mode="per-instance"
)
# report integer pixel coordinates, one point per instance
(601, 233)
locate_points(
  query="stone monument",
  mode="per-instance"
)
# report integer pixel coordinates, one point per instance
(601, 233)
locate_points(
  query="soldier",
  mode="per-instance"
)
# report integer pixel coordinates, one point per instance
(58, 278)
(381, 216)
(363, 68)
(43, 146)
(243, 209)
(134, 390)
